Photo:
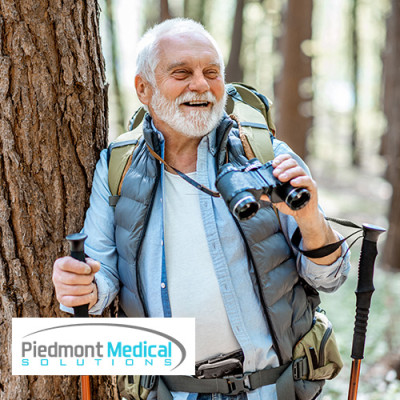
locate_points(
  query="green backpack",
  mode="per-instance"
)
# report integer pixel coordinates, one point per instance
(244, 104)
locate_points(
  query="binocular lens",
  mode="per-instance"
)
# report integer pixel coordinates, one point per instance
(244, 206)
(298, 198)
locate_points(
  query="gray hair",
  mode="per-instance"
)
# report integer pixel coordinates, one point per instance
(148, 52)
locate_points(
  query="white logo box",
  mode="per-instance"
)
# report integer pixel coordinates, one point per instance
(103, 346)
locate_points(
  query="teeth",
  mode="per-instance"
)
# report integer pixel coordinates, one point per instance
(197, 102)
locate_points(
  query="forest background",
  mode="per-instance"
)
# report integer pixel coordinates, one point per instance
(332, 70)
(322, 64)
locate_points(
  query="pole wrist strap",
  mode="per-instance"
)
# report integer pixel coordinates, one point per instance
(327, 249)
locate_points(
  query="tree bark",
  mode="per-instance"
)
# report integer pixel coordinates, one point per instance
(391, 140)
(234, 70)
(164, 10)
(293, 116)
(53, 124)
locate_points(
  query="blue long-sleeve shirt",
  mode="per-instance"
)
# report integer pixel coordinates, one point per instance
(228, 255)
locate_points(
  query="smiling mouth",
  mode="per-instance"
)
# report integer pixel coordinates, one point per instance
(197, 103)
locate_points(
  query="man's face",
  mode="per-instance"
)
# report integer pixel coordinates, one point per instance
(189, 95)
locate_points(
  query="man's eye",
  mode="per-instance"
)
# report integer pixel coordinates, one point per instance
(180, 73)
(212, 74)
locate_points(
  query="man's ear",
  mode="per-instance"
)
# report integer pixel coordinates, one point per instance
(143, 90)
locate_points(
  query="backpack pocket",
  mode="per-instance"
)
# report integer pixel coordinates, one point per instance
(130, 388)
(320, 348)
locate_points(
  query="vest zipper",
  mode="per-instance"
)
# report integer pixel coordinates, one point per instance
(322, 345)
(146, 222)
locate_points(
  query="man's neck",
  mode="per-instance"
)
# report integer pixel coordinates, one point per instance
(180, 150)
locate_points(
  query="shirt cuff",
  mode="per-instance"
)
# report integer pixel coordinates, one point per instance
(326, 278)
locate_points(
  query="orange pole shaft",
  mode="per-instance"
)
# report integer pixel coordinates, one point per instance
(85, 388)
(354, 378)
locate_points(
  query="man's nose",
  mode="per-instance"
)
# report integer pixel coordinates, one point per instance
(199, 83)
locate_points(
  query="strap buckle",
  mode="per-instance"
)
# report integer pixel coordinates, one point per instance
(238, 384)
(300, 368)
(148, 381)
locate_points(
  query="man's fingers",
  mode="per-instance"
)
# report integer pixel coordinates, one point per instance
(279, 159)
(303, 181)
(73, 301)
(70, 278)
(68, 271)
(76, 290)
(286, 168)
(70, 264)
(93, 264)
(74, 281)
(290, 173)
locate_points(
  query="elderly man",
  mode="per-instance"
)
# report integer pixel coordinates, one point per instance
(169, 249)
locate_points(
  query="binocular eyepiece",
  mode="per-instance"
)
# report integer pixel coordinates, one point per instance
(242, 187)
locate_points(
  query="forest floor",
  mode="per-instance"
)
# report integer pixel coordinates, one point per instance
(363, 197)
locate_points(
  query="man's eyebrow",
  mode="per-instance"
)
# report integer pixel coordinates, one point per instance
(183, 63)
(215, 64)
(176, 65)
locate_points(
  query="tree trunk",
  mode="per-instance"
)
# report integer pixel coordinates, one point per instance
(391, 142)
(294, 116)
(53, 124)
(355, 151)
(164, 10)
(122, 126)
(234, 70)
(195, 9)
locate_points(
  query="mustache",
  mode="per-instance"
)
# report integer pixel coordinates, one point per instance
(186, 97)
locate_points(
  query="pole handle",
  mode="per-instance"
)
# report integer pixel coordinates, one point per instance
(365, 287)
(76, 241)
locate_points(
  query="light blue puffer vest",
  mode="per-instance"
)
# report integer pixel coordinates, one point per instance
(288, 308)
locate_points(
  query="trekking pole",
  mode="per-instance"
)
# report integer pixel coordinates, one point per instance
(76, 241)
(365, 288)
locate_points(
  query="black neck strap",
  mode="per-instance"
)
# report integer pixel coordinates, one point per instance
(197, 185)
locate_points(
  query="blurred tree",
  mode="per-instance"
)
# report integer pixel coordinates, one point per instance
(234, 69)
(164, 10)
(195, 9)
(355, 153)
(53, 124)
(391, 139)
(151, 13)
(114, 66)
(293, 105)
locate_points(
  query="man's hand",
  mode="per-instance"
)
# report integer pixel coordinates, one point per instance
(286, 169)
(74, 281)
(315, 230)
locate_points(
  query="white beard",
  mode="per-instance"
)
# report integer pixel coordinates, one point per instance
(198, 122)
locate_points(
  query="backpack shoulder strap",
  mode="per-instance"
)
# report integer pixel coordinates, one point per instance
(252, 111)
(120, 155)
